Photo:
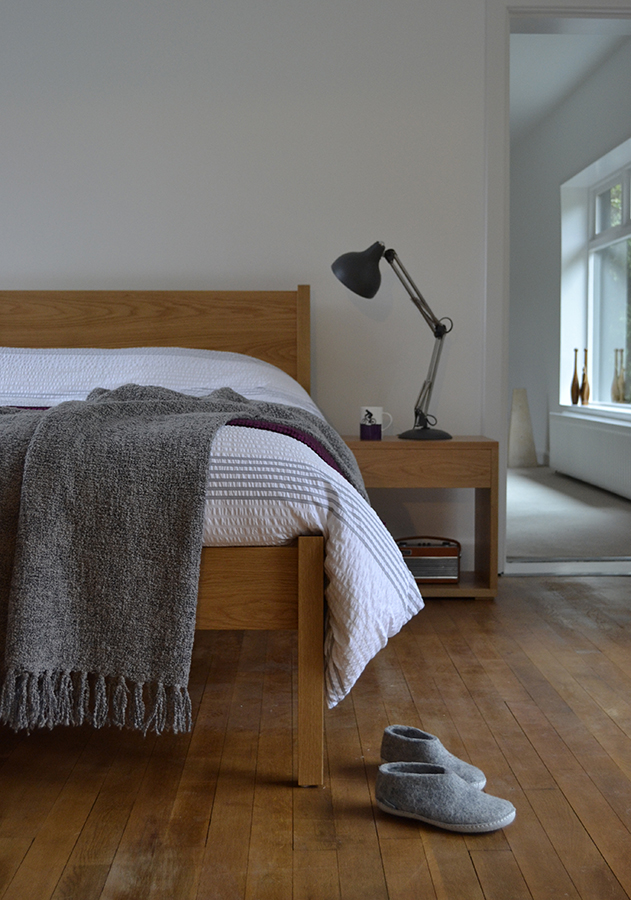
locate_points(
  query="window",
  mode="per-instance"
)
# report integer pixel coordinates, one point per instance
(596, 281)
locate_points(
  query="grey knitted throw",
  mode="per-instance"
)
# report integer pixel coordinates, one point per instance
(101, 521)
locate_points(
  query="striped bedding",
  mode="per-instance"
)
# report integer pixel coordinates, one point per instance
(264, 488)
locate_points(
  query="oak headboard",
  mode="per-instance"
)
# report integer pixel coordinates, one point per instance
(270, 325)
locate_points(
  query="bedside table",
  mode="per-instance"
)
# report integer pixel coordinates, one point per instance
(463, 462)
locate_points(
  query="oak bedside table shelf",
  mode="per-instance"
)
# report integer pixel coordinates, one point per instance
(463, 462)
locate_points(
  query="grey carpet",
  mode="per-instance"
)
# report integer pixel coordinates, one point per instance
(553, 516)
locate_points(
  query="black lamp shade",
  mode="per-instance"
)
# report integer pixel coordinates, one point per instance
(359, 272)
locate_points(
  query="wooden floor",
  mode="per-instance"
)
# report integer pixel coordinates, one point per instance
(535, 688)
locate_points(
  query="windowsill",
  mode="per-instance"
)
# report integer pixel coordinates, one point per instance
(620, 413)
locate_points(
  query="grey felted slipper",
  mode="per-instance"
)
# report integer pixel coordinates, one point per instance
(403, 743)
(439, 797)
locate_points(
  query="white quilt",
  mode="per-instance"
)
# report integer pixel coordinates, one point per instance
(263, 488)
(34, 377)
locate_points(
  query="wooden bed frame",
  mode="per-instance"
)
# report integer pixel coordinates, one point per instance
(266, 588)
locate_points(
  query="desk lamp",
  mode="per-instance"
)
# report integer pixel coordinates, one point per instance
(359, 272)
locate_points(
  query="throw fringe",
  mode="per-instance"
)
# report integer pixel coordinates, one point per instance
(137, 707)
(30, 700)
(99, 714)
(81, 698)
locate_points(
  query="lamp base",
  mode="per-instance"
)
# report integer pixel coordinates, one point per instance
(425, 434)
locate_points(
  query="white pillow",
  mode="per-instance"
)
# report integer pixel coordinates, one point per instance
(41, 378)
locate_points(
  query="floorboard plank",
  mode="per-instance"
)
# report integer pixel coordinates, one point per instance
(89, 863)
(45, 860)
(360, 867)
(270, 861)
(316, 875)
(499, 875)
(407, 871)
(590, 873)
(450, 865)
(225, 863)
(175, 872)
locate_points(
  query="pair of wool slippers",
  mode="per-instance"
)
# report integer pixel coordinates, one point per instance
(420, 779)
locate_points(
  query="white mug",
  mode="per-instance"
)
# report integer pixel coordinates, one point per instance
(371, 422)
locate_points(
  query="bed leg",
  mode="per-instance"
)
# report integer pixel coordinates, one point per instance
(310, 660)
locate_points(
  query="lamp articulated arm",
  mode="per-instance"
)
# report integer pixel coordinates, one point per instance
(421, 418)
(440, 329)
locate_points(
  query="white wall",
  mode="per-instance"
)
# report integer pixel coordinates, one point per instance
(594, 120)
(196, 144)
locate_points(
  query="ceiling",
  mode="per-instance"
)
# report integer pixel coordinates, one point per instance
(551, 57)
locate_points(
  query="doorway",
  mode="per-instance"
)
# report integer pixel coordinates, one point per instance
(555, 64)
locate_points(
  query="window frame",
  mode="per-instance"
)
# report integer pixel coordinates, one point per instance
(580, 241)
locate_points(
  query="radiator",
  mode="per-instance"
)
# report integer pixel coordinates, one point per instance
(595, 450)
